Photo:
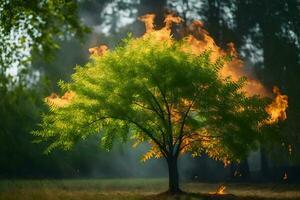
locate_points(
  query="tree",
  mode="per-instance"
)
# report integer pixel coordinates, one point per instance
(32, 27)
(171, 94)
(28, 29)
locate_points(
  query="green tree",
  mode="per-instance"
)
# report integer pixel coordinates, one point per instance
(32, 27)
(157, 90)
(28, 29)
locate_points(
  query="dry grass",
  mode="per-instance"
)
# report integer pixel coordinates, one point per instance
(138, 189)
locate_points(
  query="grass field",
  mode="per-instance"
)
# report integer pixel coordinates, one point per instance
(138, 189)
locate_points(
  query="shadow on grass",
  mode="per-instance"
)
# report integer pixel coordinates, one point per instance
(200, 196)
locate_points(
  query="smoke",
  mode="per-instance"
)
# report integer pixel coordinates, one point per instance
(124, 161)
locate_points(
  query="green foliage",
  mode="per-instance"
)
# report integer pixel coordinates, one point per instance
(28, 27)
(153, 90)
(20, 110)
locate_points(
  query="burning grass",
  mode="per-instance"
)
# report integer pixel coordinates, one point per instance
(139, 189)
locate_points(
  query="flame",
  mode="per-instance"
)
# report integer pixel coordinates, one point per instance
(234, 69)
(98, 51)
(290, 149)
(149, 22)
(170, 19)
(163, 34)
(277, 109)
(226, 162)
(221, 190)
(237, 174)
(285, 176)
(57, 101)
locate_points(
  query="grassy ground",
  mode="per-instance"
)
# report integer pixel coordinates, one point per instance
(138, 189)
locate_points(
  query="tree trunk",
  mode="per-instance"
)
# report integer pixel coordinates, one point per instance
(173, 175)
(264, 164)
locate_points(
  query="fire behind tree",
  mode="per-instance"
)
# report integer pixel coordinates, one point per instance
(186, 96)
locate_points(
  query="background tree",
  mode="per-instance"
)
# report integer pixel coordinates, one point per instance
(29, 27)
(274, 27)
(28, 30)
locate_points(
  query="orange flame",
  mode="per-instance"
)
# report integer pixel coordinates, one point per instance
(277, 109)
(98, 51)
(290, 149)
(285, 176)
(237, 174)
(170, 19)
(149, 22)
(221, 190)
(57, 101)
(226, 162)
(163, 34)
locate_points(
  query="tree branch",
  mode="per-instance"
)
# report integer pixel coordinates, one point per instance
(181, 130)
(148, 133)
(179, 139)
